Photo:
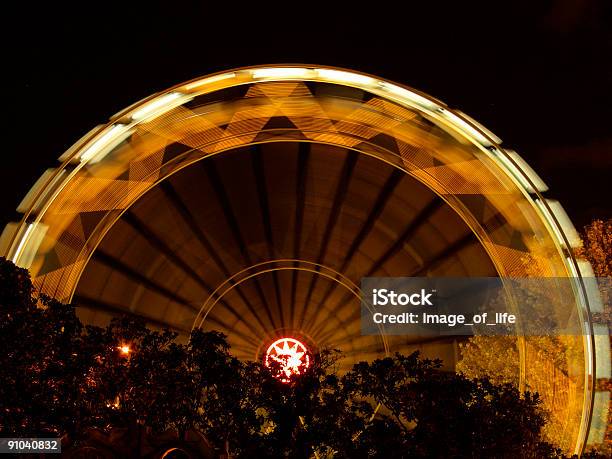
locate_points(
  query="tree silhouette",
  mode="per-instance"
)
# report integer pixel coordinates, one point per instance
(86, 383)
(475, 418)
(41, 370)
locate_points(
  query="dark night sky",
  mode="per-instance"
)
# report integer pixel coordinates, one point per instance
(540, 77)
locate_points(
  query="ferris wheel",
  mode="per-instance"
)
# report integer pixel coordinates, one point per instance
(253, 201)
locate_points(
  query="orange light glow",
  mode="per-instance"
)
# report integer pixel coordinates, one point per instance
(125, 349)
(291, 355)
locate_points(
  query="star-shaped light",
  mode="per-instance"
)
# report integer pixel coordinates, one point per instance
(124, 349)
(291, 355)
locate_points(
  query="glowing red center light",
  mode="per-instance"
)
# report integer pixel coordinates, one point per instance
(291, 357)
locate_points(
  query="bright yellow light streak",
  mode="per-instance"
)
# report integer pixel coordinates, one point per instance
(34, 238)
(550, 220)
(565, 223)
(22, 243)
(590, 284)
(41, 189)
(68, 154)
(465, 127)
(602, 350)
(520, 170)
(159, 106)
(599, 423)
(407, 96)
(538, 183)
(479, 126)
(589, 350)
(100, 147)
(582, 305)
(210, 80)
(282, 73)
(345, 77)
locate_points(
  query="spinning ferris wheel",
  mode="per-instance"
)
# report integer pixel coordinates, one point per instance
(253, 201)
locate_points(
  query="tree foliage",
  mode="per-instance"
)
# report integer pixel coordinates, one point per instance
(597, 249)
(61, 378)
(497, 357)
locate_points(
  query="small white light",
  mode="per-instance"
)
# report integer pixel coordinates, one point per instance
(125, 349)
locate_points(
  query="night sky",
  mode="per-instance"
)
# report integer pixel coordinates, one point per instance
(539, 76)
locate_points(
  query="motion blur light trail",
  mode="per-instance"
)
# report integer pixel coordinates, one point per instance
(253, 201)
